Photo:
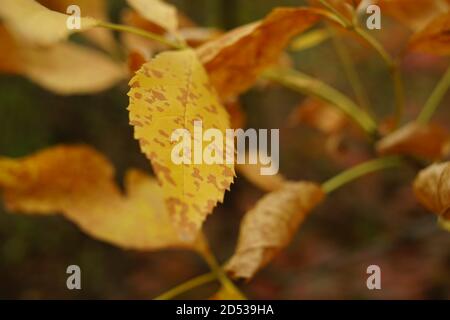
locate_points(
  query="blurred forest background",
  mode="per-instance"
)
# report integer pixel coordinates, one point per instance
(375, 220)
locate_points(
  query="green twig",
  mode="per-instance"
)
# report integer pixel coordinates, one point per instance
(350, 71)
(303, 83)
(359, 171)
(140, 32)
(435, 99)
(186, 286)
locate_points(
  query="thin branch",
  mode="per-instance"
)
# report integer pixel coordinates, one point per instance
(186, 286)
(359, 171)
(435, 99)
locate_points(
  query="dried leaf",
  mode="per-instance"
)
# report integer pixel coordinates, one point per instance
(67, 68)
(434, 38)
(79, 183)
(135, 61)
(345, 7)
(157, 11)
(168, 93)
(427, 141)
(235, 60)
(270, 226)
(237, 115)
(319, 115)
(33, 23)
(432, 189)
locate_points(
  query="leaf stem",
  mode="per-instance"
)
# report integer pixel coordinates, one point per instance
(140, 32)
(186, 286)
(359, 171)
(435, 99)
(350, 71)
(305, 84)
(216, 269)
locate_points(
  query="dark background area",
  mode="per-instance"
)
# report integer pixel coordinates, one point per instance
(375, 220)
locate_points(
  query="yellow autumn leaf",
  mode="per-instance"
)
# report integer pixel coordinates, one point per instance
(158, 12)
(67, 68)
(429, 141)
(173, 92)
(432, 189)
(270, 226)
(78, 182)
(97, 9)
(235, 60)
(35, 24)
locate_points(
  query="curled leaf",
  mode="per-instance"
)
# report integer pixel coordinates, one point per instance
(78, 182)
(235, 60)
(270, 226)
(427, 141)
(432, 189)
(157, 11)
(35, 24)
(170, 94)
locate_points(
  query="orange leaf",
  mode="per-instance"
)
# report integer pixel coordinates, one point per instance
(434, 38)
(235, 60)
(427, 141)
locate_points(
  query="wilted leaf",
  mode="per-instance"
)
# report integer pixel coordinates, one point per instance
(157, 11)
(345, 7)
(427, 141)
(270, 226)
(67, 68)
(414, 14)
(432, 188)
(434, 38)
(235, 59)
(135, 61)
(35, 24)
(168, 93)
(319, 115)
(78, 182)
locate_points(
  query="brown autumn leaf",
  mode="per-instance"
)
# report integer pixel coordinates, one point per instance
(238, 117)
(414, 14)
(434, 38)
(135, 61)
(427, 141)
(33, 23)
(319, 115)
(270, 226)
(235, 60)
(78, 182)
(432, 189)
